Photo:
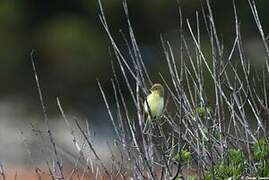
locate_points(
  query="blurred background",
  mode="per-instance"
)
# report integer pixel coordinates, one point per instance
(71, 52)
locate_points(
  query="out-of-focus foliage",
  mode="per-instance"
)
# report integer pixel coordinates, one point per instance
(72, 46)
(72, 49)
(12, 18)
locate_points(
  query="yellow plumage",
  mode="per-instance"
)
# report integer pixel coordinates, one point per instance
(154, 102)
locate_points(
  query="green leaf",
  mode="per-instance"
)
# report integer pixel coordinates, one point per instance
(235, 157)
(261, 150)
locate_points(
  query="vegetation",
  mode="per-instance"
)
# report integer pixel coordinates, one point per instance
(214, 136)
(221, 137)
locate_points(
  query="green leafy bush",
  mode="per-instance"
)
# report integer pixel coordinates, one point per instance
(261, 158)
(232, 167)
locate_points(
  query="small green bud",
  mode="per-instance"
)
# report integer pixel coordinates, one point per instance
(183, 155)
(202, 112)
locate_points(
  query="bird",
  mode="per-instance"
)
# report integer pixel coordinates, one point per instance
(153, 106)
(154, 102)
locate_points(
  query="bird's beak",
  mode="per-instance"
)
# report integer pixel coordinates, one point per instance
(151, 89)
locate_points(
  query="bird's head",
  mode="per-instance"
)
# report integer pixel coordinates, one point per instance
(157, 88)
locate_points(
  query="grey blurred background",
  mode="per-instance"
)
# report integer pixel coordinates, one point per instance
(71, 52)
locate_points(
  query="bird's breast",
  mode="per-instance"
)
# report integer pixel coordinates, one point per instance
(156, 104)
